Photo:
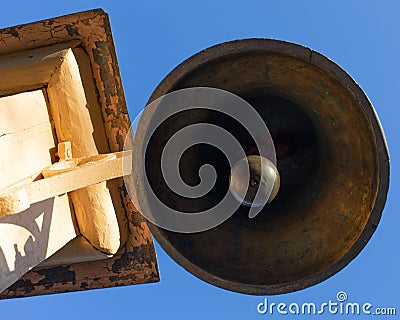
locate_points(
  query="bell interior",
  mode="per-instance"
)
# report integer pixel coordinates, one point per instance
(326, 157)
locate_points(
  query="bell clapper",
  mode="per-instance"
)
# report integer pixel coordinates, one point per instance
(262, 184)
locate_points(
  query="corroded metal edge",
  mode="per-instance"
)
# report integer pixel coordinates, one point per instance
(136, 261)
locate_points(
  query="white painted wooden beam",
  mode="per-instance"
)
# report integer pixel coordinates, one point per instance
(66, 176)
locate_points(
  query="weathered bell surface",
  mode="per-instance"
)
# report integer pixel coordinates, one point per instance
(331, 158)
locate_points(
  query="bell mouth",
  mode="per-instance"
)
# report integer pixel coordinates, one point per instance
(331, 156)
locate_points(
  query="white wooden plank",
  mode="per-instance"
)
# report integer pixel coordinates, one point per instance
(22, 111)
(28, 238)
(26, 139)
(67, 176)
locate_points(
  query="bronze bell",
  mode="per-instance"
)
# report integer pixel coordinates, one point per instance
(331, 156)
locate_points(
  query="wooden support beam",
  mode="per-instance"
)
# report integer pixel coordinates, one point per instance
(44, 55)
(64, 177)
(72, 99)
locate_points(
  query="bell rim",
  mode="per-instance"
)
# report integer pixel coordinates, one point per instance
(383, 166)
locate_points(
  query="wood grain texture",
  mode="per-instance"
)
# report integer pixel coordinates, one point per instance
(25, 135)
(39, 230)
(136, 260)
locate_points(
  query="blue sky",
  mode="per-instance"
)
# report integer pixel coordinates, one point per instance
(151, 38)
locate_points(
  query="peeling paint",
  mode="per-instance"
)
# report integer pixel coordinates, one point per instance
(136, 262)
(56, 275)
(72, 30)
